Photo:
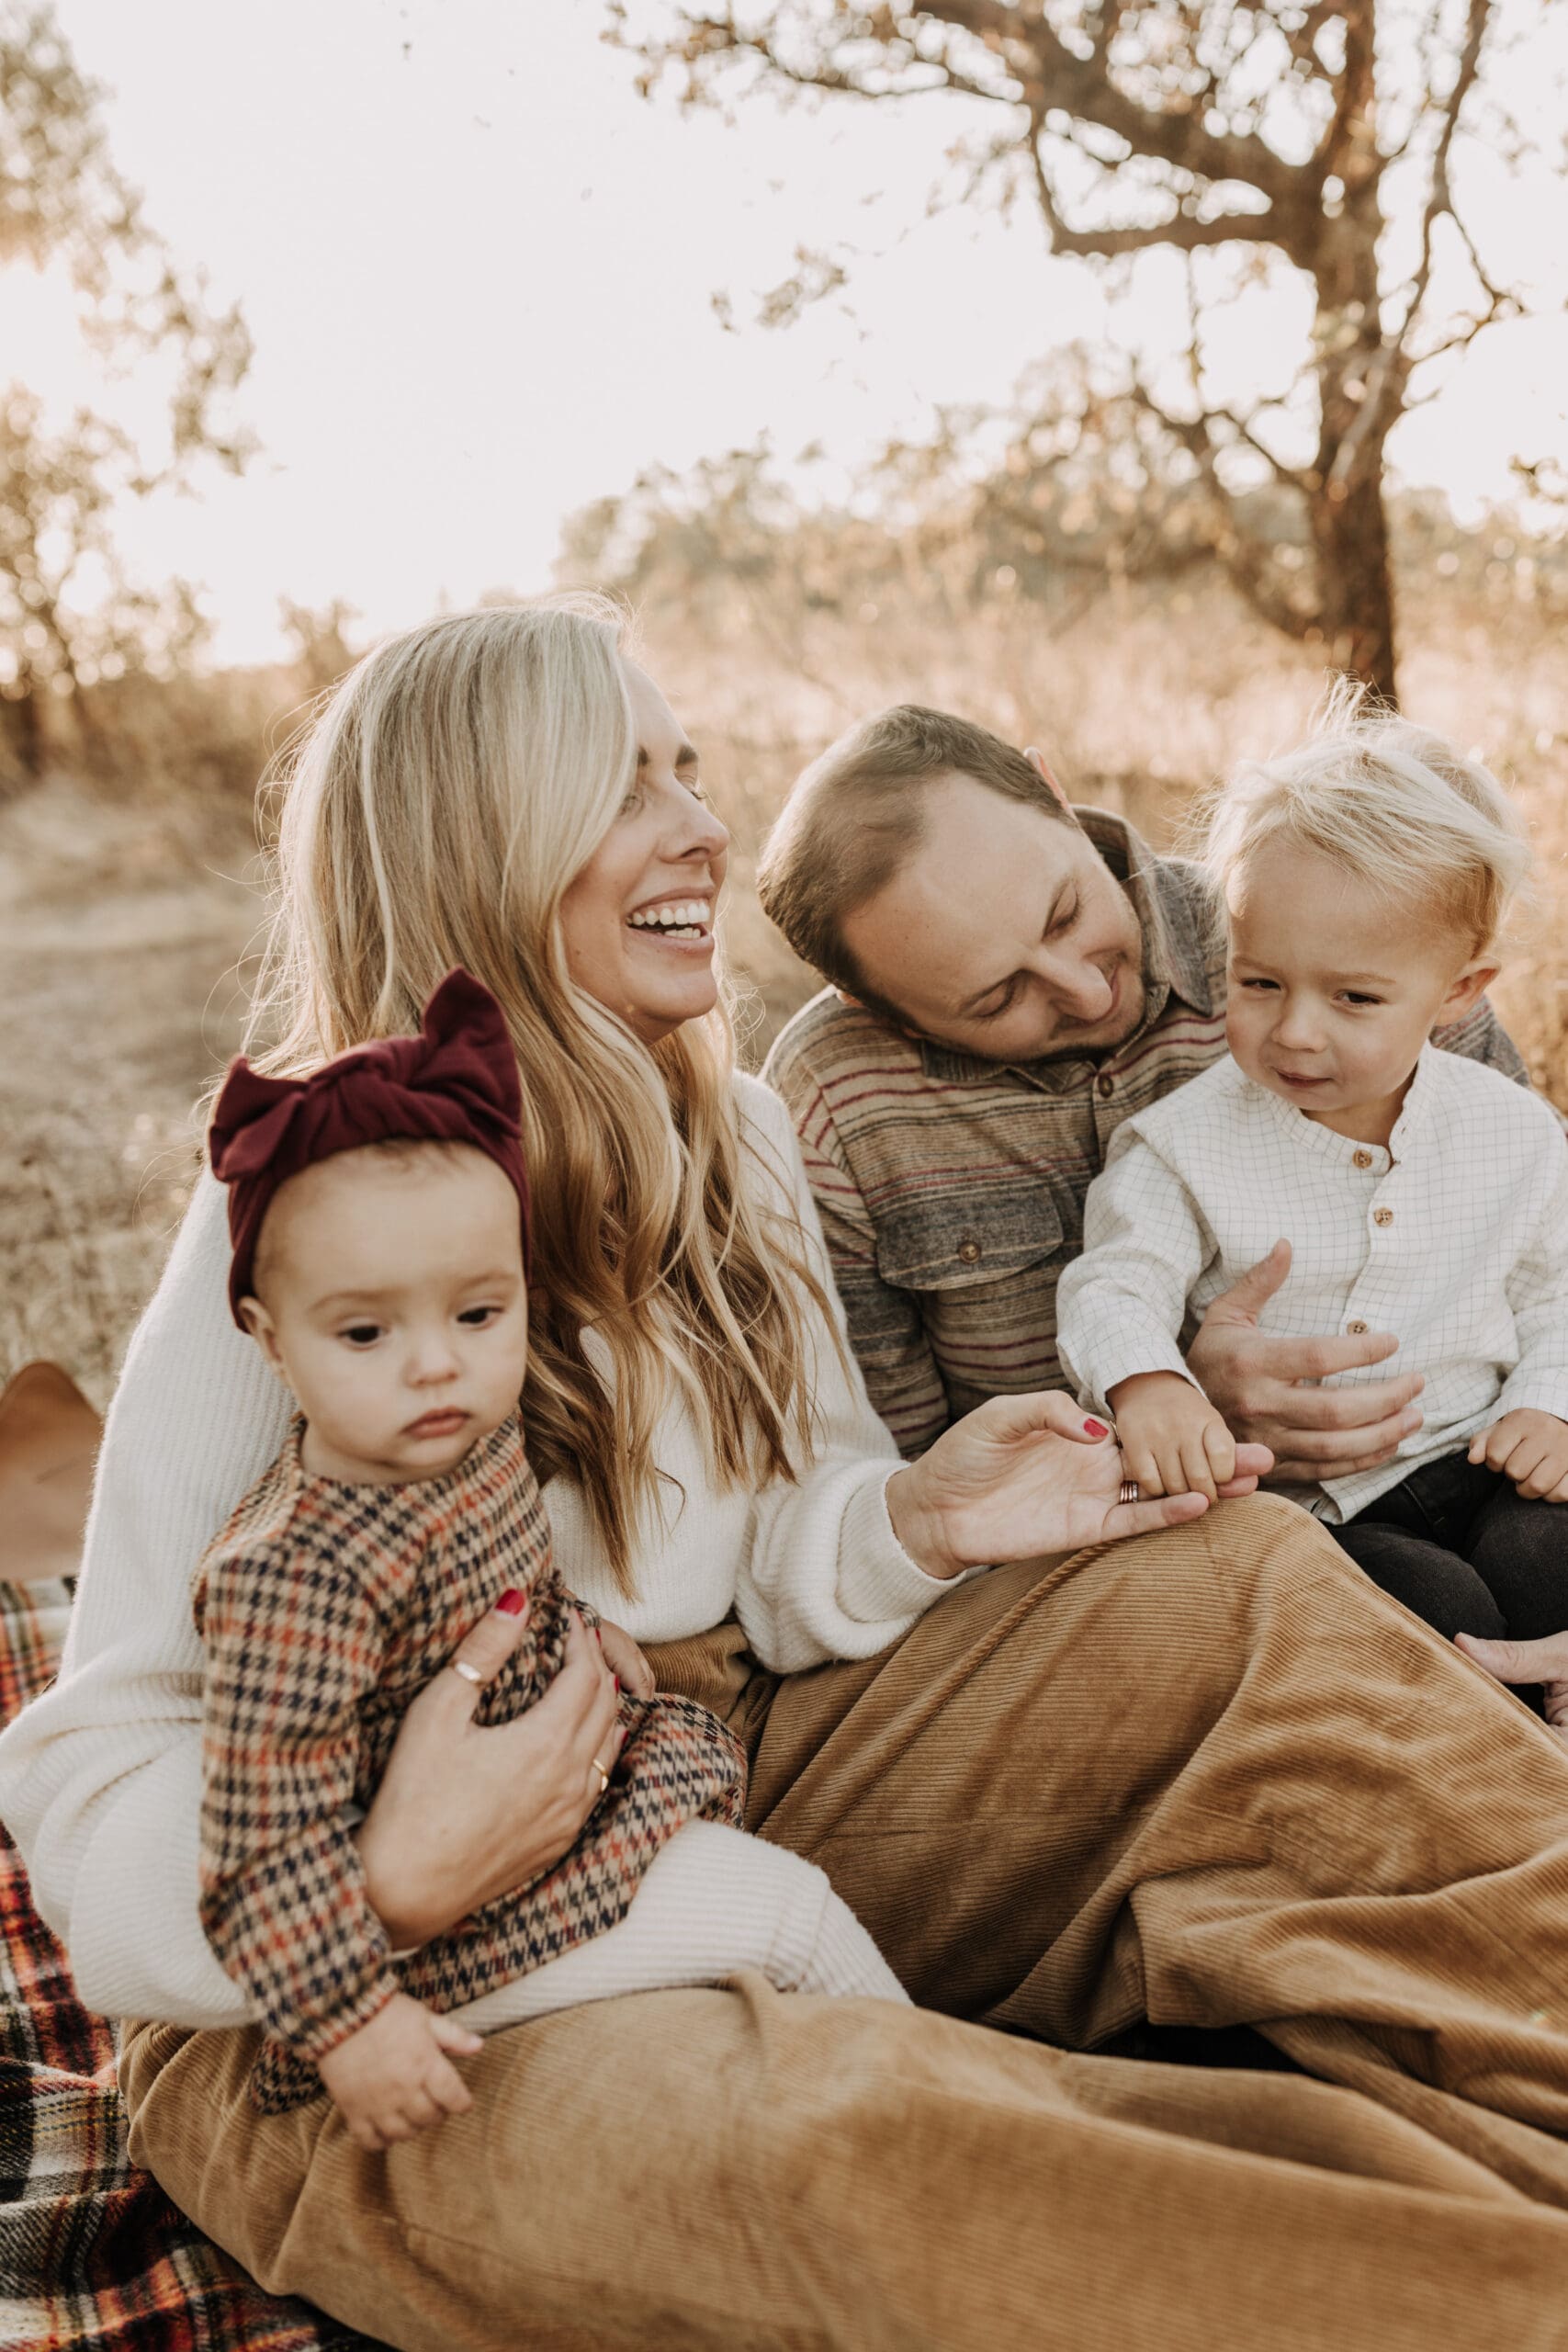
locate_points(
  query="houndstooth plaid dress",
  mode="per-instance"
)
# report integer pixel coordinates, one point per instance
(325, 1608)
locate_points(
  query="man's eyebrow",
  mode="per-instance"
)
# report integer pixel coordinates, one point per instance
(991, 986)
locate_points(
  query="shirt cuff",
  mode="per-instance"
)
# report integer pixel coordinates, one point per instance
(877, 1580)
(1126, 1362)
(1527, 1392)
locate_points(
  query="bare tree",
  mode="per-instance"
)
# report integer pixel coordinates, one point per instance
(1240, 134)
(68, 612)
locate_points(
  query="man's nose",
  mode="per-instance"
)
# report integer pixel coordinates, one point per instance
(1081, 988)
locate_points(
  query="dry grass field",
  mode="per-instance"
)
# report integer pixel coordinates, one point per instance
(126, 908)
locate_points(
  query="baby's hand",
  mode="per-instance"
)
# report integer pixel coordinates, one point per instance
(391, 2078)
(1529, 1447)
(1173, 1442)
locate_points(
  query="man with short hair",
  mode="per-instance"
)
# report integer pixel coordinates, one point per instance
(1010, 978)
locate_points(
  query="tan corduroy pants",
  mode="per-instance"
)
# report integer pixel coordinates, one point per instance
(1210, 1777)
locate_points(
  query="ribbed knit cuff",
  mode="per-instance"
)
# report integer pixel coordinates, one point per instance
(877, 1580)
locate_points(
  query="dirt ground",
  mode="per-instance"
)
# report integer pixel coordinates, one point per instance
(120, 945)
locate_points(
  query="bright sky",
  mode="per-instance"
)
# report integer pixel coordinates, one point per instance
(478, 269)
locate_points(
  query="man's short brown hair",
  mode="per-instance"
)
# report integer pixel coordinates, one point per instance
(857, 814)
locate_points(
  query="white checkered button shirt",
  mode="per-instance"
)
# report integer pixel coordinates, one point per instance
(1455, 1239)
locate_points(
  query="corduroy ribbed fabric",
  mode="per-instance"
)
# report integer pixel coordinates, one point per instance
(1212, 1777)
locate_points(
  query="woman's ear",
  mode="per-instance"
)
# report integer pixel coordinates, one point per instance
(1467, 991)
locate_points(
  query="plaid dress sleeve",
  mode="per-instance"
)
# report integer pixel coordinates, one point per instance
(293, 1643)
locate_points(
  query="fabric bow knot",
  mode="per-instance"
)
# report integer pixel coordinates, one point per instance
(456, 1082)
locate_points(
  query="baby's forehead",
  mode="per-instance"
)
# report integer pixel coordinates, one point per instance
(403, 1209)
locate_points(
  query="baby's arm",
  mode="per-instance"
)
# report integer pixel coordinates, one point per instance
(1528, 1440)
(391, 2077)
(293, 1645)
(1119, 1310)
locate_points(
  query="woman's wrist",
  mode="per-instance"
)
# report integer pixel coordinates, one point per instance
(919, 1525)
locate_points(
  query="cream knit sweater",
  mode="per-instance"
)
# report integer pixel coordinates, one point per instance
(100, 1779)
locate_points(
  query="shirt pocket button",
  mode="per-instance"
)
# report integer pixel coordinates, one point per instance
(969, 1251)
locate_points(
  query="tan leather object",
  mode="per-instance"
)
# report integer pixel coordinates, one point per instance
(49, 1442)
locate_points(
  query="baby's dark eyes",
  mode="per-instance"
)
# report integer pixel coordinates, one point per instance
(361, 1335)
(476, 1317)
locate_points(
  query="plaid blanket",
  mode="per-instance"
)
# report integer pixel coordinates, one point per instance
(92, 2253)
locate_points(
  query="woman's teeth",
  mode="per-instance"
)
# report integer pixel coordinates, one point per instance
(683, 919)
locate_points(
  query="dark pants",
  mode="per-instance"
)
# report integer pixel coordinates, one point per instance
(1456, 1543)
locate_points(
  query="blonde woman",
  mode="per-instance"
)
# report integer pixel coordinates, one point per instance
(1207, 1777)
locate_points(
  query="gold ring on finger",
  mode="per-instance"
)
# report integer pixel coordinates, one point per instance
(469, 1673)
(603, 1776)
(1129, 1491)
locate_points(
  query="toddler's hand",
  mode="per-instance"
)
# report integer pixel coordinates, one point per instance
(391, 2077)
(1173, 1442)
(1530, 1448)
(624, 1660)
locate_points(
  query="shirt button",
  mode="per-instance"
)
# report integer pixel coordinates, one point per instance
(969, 1252)
(1361, 1160)
(1356, 1327)
(1105, 1085)
(1383, 1216)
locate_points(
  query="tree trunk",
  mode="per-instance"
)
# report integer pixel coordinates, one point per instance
(21, 736)
(1349, 536)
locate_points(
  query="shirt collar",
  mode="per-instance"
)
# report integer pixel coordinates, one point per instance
(1171, 916)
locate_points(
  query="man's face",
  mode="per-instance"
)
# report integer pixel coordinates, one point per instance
(1004, 934)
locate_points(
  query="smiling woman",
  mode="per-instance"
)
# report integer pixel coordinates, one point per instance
(637, 921)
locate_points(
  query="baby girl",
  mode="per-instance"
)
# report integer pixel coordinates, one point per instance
(379, 1214)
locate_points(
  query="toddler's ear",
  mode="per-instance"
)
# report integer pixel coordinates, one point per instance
(1467, 991)
(259, 1324)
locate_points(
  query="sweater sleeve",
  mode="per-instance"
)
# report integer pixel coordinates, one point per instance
(100, 1778)
(822, 1575)
(283, 1897)
(1119, 1305)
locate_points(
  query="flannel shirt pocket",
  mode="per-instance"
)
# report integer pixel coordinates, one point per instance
(971, 1237)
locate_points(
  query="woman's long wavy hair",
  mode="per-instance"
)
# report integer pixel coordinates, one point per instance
(433, 812)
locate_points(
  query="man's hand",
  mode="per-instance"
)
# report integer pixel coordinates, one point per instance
(392, 2077)
(1173, 1442)
(1255, 1383)
(1530, 1448)
(1545, 1662)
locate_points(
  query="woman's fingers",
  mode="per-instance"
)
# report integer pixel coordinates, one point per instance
(1147, 1517)
(625, 1659)
(484, 1648)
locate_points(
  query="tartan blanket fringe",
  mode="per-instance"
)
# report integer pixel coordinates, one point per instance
(92, 2256)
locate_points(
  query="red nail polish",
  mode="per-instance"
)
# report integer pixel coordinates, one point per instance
(1096, 1429)
(511, 1602)
(616, 1680)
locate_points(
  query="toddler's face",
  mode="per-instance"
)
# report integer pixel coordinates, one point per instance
(395, 1308)
(1331, 993)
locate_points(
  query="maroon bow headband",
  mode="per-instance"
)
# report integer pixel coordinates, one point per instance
(456, 1082)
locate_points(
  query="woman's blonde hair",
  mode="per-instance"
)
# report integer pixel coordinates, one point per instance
(433, 812)
(1389, 802)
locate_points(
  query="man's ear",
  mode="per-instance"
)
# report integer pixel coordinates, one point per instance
(1466, 992)
(264, 1331)
(1037, 761)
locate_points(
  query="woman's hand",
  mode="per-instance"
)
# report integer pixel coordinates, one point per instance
(465, 1813)
(1545, 1662)
(1025, 1474)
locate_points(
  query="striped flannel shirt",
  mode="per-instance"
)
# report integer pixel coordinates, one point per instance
(1454, 1236)
(326, 1606)
(951, 1188)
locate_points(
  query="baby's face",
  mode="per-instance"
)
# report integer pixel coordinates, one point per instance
(395, 1308)
(1331, 993)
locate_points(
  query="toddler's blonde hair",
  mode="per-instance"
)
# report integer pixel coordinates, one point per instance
(1391, 803)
